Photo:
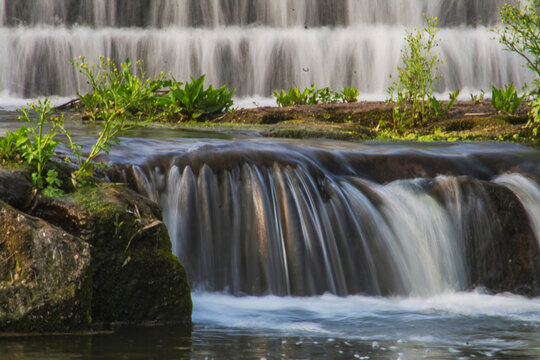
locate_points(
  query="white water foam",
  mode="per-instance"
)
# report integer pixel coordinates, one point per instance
(10, 102)
(360, 317)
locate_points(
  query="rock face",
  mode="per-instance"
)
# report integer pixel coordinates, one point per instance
(97, 257)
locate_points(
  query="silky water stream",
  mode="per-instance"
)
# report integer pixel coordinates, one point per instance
(305, 250)
(323, 249)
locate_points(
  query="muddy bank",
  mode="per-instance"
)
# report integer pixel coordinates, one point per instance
(466, 120)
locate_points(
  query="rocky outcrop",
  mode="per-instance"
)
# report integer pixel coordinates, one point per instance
(125, 271)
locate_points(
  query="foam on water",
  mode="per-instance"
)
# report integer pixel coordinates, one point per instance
(10, 102)
(367, 318)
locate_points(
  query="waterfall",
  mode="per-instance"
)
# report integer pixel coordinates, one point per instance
(251, 45)
(287, 220)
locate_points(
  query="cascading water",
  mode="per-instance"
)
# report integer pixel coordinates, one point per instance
(253, 46)
(288, 220)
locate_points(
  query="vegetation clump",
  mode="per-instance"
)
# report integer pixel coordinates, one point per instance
(161, 98)
(506, 100)
(34, 144)
(412, 93)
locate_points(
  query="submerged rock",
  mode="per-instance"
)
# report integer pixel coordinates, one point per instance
(125, 270)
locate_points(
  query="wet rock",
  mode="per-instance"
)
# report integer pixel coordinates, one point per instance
(45, 275)
(511, 262)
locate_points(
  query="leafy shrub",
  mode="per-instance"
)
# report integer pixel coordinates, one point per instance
(312, 96)
(296, 97)
(114, 123)
(519, 32)
(437, 107)
(478, 98)
(418, 77)
(12, 145)
(534, 123)
(506, 100)
(350, 95)
(36, 141)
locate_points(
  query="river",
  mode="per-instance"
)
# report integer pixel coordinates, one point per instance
(303, 249)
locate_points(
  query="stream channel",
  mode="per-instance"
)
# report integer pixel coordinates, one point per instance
(304, 298)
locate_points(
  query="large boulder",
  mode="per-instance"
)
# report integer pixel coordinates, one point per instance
(97, 257)
(45, 275)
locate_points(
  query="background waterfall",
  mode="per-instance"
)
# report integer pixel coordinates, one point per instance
(254, 46)
(286, 220)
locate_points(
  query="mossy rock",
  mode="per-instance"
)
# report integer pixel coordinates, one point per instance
(128, 272)
(136, 277)
(45, 277)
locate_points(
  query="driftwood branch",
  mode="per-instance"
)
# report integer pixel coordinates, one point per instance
(69, 103)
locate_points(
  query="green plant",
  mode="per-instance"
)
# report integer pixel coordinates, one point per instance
(297, 97)
(350, 95)
(40, 146)
(519, 31)
(418, 77)
(324, 96)
(438, 107)
(534, 123)
(192, 101)
(141, 97)
(506, 100)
